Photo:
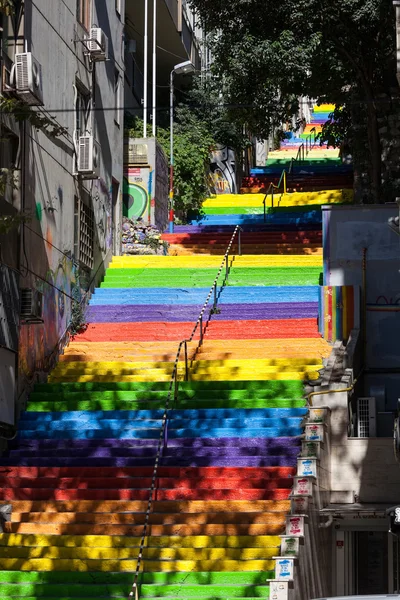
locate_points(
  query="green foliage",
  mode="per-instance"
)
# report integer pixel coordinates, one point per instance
(9, 222)
(7, 7)
(21, 112)
(78, 323)
(341, 52)
(192, 146)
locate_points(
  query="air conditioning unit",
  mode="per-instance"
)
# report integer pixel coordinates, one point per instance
(31, 303)
(366, 417)
(88, 157)
(28, 79)
(97, 44)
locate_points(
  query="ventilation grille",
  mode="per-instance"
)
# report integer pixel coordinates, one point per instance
(366, 417)
(86, 236)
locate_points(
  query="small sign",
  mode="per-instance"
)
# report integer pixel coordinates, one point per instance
(307, 467)
(295, 525)
(340, 544)
(299, 505)
(302, 486)
(317, 415)
(315, 432)
(312, 449)
(284, 569)
(290, 546)
(278, 590)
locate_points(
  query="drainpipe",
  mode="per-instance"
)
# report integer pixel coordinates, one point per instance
(364, 304)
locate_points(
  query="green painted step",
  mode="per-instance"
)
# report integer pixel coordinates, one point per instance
(258, 210)
(165, 578)
(127, 405)
(121, 591)
(263, 276)
(269, 388)
(199, 394)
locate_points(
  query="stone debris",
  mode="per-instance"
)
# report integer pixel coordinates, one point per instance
(139, 238)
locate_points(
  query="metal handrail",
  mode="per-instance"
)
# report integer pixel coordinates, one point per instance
(271, 188)
(173, 387)
(304, 149)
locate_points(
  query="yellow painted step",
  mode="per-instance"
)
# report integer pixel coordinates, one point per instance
(294, 199)
(198, 261)
(132, 553)
(273, 364)
(215, 375)
(129, 566)
(119, 541)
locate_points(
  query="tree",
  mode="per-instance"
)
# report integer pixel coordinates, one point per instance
(268, 53)
(192, 146)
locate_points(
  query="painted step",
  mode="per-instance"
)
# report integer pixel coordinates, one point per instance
(216, 330)
(185, 296)
(264, 276)
(139, 313)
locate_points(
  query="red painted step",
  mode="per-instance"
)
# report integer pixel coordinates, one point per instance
(10, 494)
(216, 330)
(140, 483)
(176, 472)
(284, 237)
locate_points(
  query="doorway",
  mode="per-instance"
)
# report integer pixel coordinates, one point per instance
(367, 561)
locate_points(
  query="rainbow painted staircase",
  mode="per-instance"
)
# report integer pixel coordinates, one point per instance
(77, 477)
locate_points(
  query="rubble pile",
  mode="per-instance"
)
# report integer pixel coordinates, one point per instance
(139, 238)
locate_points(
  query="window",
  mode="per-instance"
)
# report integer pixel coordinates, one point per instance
(82, 109)
(84, 232)
(83, 13)
(117, 97)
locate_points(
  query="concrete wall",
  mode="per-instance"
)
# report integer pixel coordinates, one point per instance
(347, 231)
(48, 182)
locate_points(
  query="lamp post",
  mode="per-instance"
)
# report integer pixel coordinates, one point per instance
(180, 69)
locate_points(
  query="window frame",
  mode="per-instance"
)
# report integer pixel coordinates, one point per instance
(83, 13)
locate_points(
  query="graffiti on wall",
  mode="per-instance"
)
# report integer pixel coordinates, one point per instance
(222, 179)
(37, 342)
(339, 311)
(102, 206)
(135, 193)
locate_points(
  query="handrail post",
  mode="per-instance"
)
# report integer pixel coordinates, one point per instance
(201, 329)
(265, 216)
(239, 241)
(186, 362)
(226, 266)
(284, 183)
(272, 198)
(215, 296)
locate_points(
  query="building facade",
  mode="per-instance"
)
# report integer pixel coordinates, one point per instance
(64, 169)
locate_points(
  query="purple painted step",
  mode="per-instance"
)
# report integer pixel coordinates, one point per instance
(246, 227)
(275, 445)
(183, 313)
(170, 461)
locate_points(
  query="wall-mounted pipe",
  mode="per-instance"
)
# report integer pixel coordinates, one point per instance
(327, 523)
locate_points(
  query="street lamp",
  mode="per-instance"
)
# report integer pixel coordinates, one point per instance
(180, 69)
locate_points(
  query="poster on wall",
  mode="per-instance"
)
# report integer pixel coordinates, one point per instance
(136, 193)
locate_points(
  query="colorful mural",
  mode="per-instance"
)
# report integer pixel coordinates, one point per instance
(222, 179)
(135, 193)
(339, 311)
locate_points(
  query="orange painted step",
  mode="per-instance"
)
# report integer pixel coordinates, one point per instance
(172, 508)
(274, 526)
